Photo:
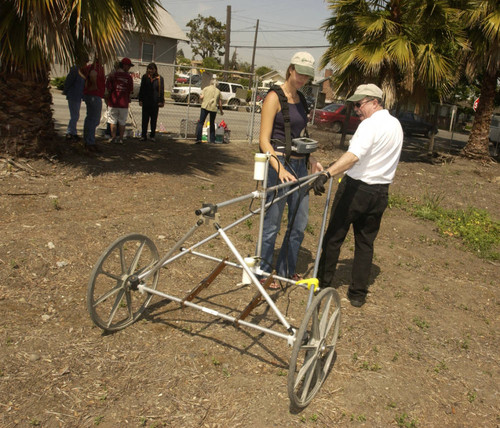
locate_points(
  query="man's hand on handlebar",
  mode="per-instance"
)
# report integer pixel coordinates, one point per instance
(319, 184)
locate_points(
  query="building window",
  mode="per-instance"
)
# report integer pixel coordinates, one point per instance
(147, 52)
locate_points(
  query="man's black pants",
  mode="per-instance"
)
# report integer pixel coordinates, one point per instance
(361, 205)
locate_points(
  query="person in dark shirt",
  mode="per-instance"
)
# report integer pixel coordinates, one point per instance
(73, 89)
(151, 98)
(272, 140)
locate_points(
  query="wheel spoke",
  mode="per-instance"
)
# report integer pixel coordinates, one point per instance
(107, 295)
(115, 306)
(129, 303)
(309, 376)
(308, 361)
(332, 321)
(146, 268)
(137, 255)
(315, 331)
(110, 275)
(123, 262)
(325, 316)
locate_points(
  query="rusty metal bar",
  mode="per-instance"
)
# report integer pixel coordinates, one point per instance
(255, 301)
(205, 282)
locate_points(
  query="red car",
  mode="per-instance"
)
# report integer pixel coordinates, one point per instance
(333, 117)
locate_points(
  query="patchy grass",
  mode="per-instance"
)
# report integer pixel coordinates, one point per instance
(474, 227)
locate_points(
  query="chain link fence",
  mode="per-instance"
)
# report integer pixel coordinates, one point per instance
(183, 85)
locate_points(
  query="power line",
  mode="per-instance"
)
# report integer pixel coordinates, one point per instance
(281, 47)
(274, 31)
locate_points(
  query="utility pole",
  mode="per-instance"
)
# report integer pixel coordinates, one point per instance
(228, 38)
(253, 53)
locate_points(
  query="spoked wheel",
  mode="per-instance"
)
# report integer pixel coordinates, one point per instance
(113, 300)
(314, 348)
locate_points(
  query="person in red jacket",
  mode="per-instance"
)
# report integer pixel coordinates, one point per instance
(119, 86)
(93, 93)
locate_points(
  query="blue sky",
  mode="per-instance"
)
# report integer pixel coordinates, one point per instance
(300, 19)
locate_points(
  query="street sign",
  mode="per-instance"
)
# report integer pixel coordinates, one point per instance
(474, 106)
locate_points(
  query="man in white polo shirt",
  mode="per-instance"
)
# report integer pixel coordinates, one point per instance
(369, 165)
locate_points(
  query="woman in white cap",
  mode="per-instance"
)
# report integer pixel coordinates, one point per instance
(272, 139)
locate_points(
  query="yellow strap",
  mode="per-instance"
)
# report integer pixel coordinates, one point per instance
(310, 282)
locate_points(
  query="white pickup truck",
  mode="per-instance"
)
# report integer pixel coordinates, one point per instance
(233, 94)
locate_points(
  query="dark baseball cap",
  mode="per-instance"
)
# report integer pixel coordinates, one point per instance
(126, 61)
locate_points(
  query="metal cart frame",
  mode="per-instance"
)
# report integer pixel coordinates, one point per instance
(125, 277)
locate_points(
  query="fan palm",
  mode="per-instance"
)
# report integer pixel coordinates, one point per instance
(404, 46)
(34, 35)
(483, 24)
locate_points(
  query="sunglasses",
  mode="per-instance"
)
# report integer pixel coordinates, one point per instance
(358, 105)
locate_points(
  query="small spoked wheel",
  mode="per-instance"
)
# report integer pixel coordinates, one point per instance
(113, 300)
(314, 348)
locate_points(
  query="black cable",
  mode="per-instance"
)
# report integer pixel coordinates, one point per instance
(271, 204)
(286, 239)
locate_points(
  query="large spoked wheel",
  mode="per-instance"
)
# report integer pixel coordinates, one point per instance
(314, 348)
(113, 300)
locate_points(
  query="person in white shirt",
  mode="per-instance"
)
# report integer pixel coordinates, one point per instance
(210, 101)
(362, 196)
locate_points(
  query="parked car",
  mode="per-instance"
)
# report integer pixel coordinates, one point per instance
(232, 94)
(413, 124)
(195, 79)
(182, 78)
(181, 94)
(257, 106)
(333, 116)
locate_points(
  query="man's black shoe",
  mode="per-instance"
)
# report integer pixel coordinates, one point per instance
(355, 301)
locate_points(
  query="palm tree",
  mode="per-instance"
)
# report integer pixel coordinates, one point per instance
(405, 46)
(33, 36)
(483, 25)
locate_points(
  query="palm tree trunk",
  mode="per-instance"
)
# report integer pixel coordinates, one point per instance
(478, 145)
(26, 124)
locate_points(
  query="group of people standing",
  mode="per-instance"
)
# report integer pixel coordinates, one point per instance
(367, 169)
(88, 82)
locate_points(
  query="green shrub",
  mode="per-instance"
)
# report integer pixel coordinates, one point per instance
(58, 82)
(244, 82)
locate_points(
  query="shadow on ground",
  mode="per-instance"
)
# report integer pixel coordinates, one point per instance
(165, 156)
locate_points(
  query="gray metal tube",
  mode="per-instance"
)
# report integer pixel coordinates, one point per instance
(256, 282)
(303, 180)
(258, 251)
(320, 241)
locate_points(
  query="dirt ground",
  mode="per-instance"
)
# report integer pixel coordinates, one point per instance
(423, 351)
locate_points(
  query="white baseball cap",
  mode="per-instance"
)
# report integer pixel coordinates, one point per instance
(304, 63)
(363, 91)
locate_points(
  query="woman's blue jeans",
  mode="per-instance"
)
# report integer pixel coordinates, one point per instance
(74, 114)
(298, 211)
(94, 108)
